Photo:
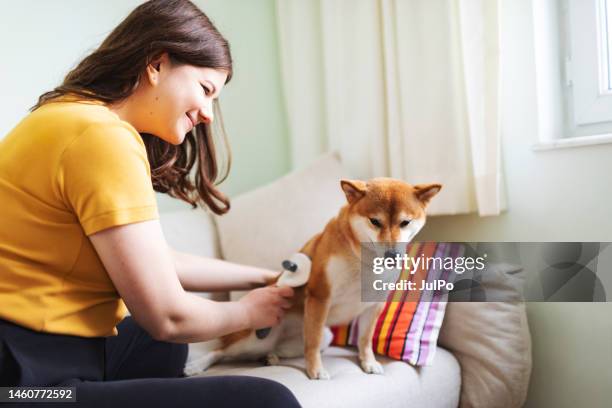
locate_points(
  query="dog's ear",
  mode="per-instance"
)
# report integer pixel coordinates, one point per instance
(424, 192)
(353, 189)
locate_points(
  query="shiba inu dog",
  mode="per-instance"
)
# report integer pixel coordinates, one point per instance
(384, 211)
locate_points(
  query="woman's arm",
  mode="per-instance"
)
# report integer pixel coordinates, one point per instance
(137, 259)
(200, 274)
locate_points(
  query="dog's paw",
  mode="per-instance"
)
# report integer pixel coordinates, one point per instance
(192, 369)
(319, 373)
(202, 363)
(372, 367)
(272, 359)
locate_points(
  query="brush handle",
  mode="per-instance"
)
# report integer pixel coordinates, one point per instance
(287, 266)
(263, 333)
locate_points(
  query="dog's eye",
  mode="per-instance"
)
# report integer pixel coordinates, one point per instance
(404, 223)
(375, 222)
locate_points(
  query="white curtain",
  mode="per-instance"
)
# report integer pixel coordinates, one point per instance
(400, 88)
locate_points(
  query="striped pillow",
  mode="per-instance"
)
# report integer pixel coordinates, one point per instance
(408, 330)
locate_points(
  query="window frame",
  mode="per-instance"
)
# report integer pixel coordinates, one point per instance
(556, 79)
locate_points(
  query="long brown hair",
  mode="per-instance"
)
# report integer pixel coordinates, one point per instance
(111, 73)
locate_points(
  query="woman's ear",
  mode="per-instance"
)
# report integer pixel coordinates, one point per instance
(155, 67)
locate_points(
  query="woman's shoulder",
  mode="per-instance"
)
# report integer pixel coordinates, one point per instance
(70, 119)
(62, 132)
(83, 112)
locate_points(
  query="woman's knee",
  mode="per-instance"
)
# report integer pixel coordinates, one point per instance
(262, 392)
(276, 394)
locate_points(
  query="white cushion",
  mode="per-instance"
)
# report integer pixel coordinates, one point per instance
(265, 226)
(193, 232)
(400, 386)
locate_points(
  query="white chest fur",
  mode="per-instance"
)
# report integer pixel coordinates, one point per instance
(344, 275)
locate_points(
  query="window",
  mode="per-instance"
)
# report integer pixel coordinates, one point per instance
(605, 24)
(573, 72)
(588, 27)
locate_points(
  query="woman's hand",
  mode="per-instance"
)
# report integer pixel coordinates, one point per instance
(265, 307)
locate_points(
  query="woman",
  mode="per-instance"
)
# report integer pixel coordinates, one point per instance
(80, 237)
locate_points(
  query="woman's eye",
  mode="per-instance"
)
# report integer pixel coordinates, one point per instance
(404, 223)
(375, 222)
(206, 90)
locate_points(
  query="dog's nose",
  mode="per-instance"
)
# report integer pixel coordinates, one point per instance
(391, 253)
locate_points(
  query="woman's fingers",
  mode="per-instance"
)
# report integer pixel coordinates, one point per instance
(285, 291)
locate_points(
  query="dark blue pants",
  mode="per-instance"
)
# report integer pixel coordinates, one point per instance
(131, 369)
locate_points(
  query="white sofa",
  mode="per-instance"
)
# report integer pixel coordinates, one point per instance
(400, 386)
(484, 358)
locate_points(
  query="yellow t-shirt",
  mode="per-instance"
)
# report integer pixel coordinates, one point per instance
(67, 170)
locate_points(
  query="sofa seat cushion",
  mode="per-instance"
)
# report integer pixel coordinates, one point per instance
(401, 385)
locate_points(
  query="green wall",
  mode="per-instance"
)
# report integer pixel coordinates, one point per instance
(252, 103)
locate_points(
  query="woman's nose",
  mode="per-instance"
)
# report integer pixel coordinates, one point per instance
(206, 115)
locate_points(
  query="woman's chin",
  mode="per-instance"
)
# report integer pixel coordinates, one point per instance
(175, 138)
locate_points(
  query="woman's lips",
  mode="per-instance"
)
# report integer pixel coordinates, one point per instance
(191, 123)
